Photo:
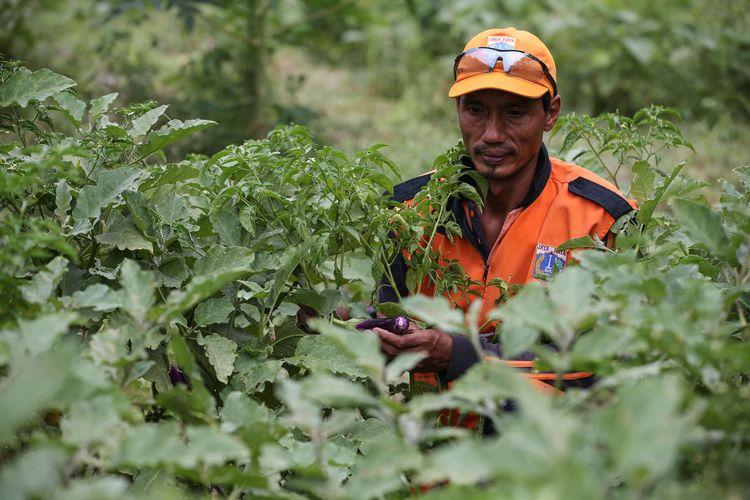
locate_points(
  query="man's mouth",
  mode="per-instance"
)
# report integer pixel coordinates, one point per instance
(492, 157)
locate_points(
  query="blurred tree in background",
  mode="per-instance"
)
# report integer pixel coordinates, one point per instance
(361, 72)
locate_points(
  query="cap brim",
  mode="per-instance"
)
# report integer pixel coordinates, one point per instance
(498, 81)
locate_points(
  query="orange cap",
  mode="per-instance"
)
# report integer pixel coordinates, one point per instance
(508, 39)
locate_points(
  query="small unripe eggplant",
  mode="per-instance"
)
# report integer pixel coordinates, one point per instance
(399, 324)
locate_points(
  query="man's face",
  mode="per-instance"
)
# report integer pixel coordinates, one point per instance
(503, 131)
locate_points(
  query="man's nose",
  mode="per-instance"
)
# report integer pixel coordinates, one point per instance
(494, 130)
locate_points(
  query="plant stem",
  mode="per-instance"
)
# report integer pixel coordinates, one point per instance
(601, 161)
(427, 248)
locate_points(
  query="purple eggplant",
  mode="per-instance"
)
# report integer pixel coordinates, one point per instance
(399, 324)
(176, 376)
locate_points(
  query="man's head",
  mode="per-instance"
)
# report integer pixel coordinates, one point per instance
(507, 98)
(505, 59)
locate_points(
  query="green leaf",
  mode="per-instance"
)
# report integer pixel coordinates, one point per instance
(320, 353)
(402, 363)
(703, 225)
(644, 178)
(173, 272)
(529, 308)
(114, 131)
(109, 186)
(239, 410)
(227, 225)
(213, 311)
(94, 488)
(95, 420)
(143, 217)
(605, 342)
(324, 303)
(196, 404)
(72, 107)
(648, 207)
(644, 429)
(289, 262)
(391, 309)
(333, 392)
(149, 483)
(571, 295)
(171, 207)
(517, 337)
(150, 445)
(469, 192)
(247, 219)
(208, 446)
(362, 348)
(35, 474)
(379, 471)
(171, 174)
(254, 373)
(154, 445)
(219, 258)
(173, 131)
(435, 311)
(221, 353)
(99, 297)
(45, 281)
(469, 461)
(40, 334)
(143, 123)
(199, 288)
(34, 384)
(24, 86)
(124, 235)
(62, 201)
(138, 287)
(493, 381)
(582, 242)
(101, 105)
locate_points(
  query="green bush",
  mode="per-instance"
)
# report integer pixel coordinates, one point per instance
(150, 347)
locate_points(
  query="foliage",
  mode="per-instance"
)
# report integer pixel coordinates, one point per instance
(611, 55)
(229, 60)
(150, 348)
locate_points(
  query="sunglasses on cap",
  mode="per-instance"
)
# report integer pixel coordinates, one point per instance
(516, 63)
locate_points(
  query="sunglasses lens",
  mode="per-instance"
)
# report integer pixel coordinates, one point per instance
(523, 67)
(475, 62)
(512, 59)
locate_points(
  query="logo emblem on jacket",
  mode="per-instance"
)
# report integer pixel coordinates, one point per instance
(547, 261)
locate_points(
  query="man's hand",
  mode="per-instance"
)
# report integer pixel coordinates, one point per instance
(434, 343)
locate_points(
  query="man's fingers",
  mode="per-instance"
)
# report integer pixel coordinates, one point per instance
(423, 341)
(435, 344)
(416, 339)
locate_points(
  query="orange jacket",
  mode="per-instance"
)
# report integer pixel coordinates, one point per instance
(565, 201)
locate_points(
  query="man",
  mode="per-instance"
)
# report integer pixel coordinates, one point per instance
(506, 97)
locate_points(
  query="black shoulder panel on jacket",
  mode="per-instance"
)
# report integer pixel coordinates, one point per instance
(407, 189)
(612, 202)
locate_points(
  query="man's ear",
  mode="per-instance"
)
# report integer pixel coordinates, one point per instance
(552, 114)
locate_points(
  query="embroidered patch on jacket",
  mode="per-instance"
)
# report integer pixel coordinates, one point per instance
(501, 42)
(547, 261)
